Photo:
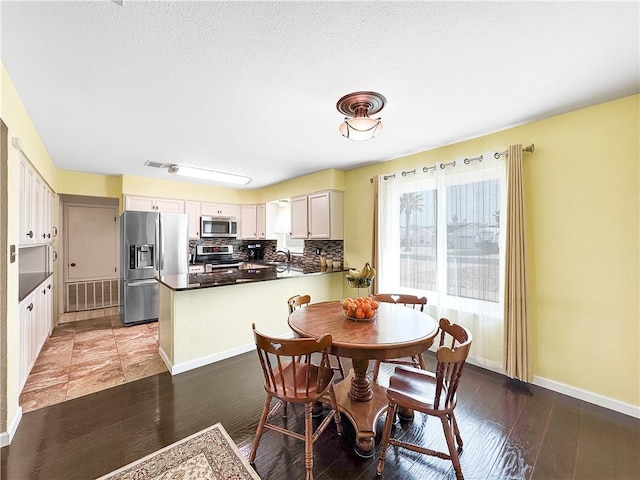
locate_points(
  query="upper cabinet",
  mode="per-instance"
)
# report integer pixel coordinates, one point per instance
(193, 210)
(249, 222)
(219, 210)
(256, 222)
(36, 207)
(318, 216)
(148, 204)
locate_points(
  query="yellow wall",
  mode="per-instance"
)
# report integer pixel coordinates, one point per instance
(89, 184)
(329, 179)
(582, 221)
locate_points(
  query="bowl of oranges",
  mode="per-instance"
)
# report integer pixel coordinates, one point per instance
(359, 309)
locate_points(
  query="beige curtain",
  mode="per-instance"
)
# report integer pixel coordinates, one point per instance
(375, 237)
(516, 351)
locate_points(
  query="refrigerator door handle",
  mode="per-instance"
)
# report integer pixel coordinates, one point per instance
(158, 267)
(141, 283)
(161, 247)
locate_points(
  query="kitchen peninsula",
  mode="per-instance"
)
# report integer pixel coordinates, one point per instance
(204, 318)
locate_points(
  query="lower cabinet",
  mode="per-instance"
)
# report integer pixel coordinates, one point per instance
(36, 324)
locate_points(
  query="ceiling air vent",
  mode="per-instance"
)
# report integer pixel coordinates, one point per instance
(156, 164)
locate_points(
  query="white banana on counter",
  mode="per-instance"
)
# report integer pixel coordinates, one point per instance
(365, 272)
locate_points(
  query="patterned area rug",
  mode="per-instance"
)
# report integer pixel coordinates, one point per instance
(206, 455)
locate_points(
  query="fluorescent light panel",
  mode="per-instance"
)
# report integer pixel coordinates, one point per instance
(209, 175)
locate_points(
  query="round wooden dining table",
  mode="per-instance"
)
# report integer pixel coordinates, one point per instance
(396, 332)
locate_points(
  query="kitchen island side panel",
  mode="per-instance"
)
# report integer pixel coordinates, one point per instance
(206, 325)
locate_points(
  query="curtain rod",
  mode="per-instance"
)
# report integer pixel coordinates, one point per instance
(530, 149)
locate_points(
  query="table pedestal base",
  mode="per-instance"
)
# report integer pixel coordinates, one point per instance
(362, 414)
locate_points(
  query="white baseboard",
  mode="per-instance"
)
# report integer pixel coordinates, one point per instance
(596, 399)
(6, 437)
(165, 359)
(201, 362)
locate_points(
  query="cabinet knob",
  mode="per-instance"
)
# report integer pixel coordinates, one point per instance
(44, 235)
(72, 264)
(30, 234)
(48, 235)
(49, 287)
(30, 307)
(55, 231)
(44, 291)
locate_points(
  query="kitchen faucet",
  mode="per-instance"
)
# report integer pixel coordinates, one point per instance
(286, 252)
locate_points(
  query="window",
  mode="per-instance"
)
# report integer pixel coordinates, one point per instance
(440, 235)
(283, 230)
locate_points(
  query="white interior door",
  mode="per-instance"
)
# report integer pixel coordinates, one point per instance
(91, 242)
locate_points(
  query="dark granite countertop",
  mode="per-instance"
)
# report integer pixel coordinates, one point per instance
(247, 273)
(29, 281)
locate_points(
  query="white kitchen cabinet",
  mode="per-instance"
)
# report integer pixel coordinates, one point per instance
(318, 216)
(219, 210)
(262, 222)
(150, 204)
(36, 207)
(299, 215)
(248, 222)
(257, 221)
(36, 324)
(193, 210)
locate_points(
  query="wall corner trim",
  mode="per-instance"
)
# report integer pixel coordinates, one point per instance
(6, 437)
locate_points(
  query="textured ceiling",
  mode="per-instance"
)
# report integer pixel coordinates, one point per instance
(251, 87)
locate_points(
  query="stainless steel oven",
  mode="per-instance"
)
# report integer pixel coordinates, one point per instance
(218, 227)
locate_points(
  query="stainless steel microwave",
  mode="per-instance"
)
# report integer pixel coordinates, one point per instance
(218, 227)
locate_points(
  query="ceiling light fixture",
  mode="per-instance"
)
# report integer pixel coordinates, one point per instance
(358, 106)
(209, 175)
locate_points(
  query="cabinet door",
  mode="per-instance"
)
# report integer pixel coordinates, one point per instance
(140, 204)
(168, 205)
(248, 222)
(326, 215)
(47, 213)
(26, 203)
(228, 210)
(319, 216)
(48, 311)
(219, 210)
(261, 221)
(40, 206)
(299, 228)
(26, 313)
(193, 210)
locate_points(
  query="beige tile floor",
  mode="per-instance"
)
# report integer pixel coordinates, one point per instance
(87, 356)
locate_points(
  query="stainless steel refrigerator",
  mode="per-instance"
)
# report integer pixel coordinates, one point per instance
(151, 244)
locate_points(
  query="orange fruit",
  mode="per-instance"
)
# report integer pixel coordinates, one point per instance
(359, 313)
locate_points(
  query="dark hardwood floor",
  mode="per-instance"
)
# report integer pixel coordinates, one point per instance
(511, 431)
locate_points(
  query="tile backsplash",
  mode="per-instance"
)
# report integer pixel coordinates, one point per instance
(332, 249)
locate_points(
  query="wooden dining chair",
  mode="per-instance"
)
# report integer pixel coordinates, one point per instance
(411, 301)
(290, 377)
(432, 394)
(298, 301)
